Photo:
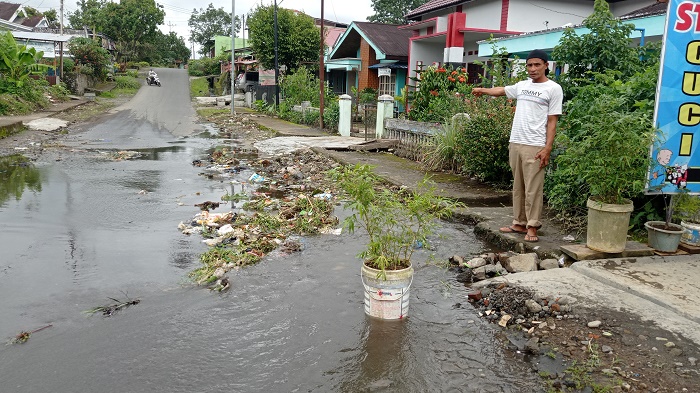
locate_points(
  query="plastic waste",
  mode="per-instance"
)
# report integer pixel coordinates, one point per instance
(326, 195)
(255, 178)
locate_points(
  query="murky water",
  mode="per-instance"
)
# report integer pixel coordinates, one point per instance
(85, 228)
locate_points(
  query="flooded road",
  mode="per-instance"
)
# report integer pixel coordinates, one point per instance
(80, 227)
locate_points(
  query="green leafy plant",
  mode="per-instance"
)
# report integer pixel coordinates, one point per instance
(608, 153)
(17, 63)
(441, 94)
(396, 221)
(90, 56)
(686, 207)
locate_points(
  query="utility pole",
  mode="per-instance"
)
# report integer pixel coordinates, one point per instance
(321, 72)
(171, 25)
(233, 56)
(60, 44)
(277, 69)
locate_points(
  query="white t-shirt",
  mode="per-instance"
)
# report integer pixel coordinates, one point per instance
(536, 101)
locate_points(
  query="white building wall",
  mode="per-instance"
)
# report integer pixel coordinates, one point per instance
(485, 14)
(441, 24)
(427, 52)
(536, 15)
(628, 6)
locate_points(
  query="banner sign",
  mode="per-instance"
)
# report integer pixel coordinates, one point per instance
(676, 160)
(384, 71)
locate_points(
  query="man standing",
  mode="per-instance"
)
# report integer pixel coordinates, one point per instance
(539, 104)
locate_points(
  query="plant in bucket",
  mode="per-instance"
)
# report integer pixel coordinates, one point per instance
(609, 153)
(687, 210)
(397, 222)
(664, 236)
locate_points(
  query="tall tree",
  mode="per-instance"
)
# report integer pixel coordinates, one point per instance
(52, 17)
(167, 49)
(88, 14)
(299, 39)
(132, 23)
(205, 24)
(393, 11)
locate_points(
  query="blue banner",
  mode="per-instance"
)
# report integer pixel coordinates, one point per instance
(676, 164)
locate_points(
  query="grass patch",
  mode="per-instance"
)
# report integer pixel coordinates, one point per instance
(199, 87)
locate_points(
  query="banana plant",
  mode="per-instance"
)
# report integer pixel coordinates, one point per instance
(17, 62)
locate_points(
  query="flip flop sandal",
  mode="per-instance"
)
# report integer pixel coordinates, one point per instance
(511, 229)
(531, 238)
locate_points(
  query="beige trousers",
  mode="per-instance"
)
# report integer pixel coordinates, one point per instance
(528, 180)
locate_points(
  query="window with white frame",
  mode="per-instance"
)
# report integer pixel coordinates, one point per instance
(387, 85)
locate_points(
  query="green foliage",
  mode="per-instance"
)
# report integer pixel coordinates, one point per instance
(687, 207)
(133, 24)
(168, 49)
(395, 221)
(17, 63)
(392, 11)
(127, 82)
(299, 39)
(331, 114)
(368, 95)
(199, 87)
(24, 99)
(606, 47)
(89, 56)
(606, 149)
(205, 24)
(441, 94)
(59, 92)
(68, 65)
(300, 86)
(205, 66)
(482, 142)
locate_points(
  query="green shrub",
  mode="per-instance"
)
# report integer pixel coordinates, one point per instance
(301, 86)
(127, 82)
(205, 66)
(143, 64)
(482, 142)
(68, 65)
(90, 55)
(331, 114)
(440, 95)
(59, 92)
(199, 87)
(132, 74)
(368, 95)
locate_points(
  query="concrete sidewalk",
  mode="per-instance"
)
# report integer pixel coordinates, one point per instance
(659, 289)
(14, 121)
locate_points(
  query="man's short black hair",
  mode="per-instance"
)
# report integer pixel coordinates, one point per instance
(538, 54)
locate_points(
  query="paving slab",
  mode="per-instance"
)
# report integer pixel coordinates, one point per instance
(580, 252)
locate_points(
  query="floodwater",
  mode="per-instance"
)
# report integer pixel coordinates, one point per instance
(80, 228)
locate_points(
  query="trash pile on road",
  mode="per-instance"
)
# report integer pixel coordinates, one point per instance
(508, 305)
(285, 198)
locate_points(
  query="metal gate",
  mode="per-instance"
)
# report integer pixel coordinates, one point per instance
(364, 120)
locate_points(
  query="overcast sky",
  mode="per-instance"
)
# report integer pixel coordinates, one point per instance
(177, 12)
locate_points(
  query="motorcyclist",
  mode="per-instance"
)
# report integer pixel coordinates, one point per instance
(152, 75)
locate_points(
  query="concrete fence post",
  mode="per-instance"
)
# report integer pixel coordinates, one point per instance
(385, 109)
(345, 121)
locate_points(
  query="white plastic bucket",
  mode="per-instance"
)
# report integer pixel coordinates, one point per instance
(691, 236)
(387, 298)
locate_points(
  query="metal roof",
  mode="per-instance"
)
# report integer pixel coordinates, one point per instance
(30, 35)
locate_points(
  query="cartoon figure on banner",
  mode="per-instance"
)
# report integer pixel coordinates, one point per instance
(678, 175)
(662, 171)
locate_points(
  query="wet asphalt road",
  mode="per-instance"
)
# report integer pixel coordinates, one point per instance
(96, 228)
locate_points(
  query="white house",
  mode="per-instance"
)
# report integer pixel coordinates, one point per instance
(449, 31)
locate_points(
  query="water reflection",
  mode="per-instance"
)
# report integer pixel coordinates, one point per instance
(158, 153)
(16, 174)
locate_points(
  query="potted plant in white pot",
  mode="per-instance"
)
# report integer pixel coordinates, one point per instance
(665, 236)
(397, 223)
(609, 153)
